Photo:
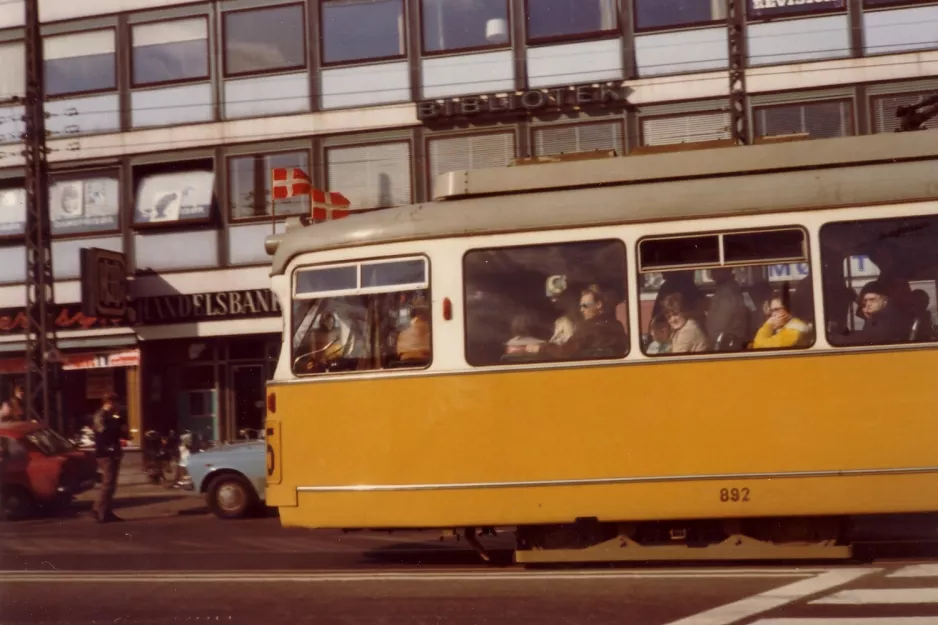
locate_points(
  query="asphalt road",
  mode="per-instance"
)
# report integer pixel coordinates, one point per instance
(171, 562)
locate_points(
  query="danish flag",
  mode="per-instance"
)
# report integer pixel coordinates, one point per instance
(289, 182)
(329, 205)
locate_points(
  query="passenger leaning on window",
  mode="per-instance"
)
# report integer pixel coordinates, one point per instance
(686, 334)
(781, 329)
(884, 321)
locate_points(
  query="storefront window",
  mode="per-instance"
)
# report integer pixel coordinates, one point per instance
(84, 205)
(450, 26)
(175, 197)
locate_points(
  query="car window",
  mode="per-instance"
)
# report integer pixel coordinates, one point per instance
(49, 442)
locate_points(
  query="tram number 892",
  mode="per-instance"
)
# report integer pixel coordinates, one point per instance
(734, 494)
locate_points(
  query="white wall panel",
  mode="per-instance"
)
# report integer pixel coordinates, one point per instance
(13, 14)
(171, 105)
(575, 63)
(65, 254)
(900, 30)
(100, 113)
(790, 41)
(246, 242)
(54, 10)
(682, 52)
(267, 95)
(365, 85)
(488, 72)
(176, 249)
(13, 265)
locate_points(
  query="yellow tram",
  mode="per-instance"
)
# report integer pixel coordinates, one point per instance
(513, 354)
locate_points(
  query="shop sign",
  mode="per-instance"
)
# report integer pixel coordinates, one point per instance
(772, 8)
(103, 283)
(68, 317)
(207, 306)
(529, 101)
(86, 361)
(98, 383)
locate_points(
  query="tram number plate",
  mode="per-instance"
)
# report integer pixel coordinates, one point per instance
(734, 494)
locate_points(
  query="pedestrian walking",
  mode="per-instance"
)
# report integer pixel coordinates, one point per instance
(108, 429)
(14, 409)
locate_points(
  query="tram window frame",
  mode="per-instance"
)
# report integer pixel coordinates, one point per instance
(572, 289)
(643, 269)
(836, 236)
(377, 357)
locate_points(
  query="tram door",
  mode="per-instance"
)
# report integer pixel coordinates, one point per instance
(248, 384)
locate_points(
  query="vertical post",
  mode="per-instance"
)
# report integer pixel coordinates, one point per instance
(273, 205)
(40, 302)
(736, 36)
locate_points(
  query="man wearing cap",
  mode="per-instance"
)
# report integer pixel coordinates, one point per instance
(107, 440)
(885, 322)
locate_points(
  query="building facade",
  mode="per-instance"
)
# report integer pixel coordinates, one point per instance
(165, 118)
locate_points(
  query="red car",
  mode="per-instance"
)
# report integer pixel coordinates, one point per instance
(40, 468)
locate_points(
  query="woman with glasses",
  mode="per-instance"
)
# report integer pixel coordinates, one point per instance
(781, 329)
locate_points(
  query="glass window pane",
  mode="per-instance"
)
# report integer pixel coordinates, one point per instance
(546, 303)
(12, 212)
(449, 25)
(167, 51)
(79, 62)
(662, 13)
(818, 119)
(86, 205)
(327, 279)
(556, 18)
(764, 246)
(249, 179)
(265, 39)
(357, 30)
(879, 280)
(179, 196)
(389, 274)
(13, 76)
(680, 251)
(362, 333)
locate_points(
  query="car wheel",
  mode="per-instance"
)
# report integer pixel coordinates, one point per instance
(231, 497)
(15, 504)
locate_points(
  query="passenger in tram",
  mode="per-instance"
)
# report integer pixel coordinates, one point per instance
(686, 334)
(565, 302)
(599, 334)
(760, 294)
(782, 329)
(884, 321)
(924, 330)
(522, 336)
(413, 343)
(681, 282)
(802, 300)
(727, 316)
(660, 335)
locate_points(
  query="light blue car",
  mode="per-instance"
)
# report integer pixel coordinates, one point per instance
(232, 477)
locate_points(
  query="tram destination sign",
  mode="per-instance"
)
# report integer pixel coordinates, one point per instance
(529, 101)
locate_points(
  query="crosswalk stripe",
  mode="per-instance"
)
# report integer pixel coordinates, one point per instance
(916, 570)
(881, 596)
(861, 620)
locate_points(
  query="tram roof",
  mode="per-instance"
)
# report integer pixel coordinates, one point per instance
(798, 175)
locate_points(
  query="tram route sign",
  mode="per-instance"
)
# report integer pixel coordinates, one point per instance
(572, 97)
(104, 289)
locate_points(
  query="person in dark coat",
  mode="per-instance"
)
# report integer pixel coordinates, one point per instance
(885, 321)
(108, 430)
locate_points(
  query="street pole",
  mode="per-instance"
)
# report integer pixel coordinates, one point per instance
(41, 351)
(736, 37)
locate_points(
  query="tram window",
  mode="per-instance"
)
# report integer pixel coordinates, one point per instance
(546, 303)
(379, 325)
(327, 279)
(879, 280)
(686, 251)
(754, 293)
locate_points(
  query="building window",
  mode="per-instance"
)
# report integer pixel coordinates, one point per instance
(450, 26)
(768, 9)
(691, 128)
(12, 212)
(79, 62)
(470, 152)
(249, 185)
(880, 270)
(668, 13)
(371, 176)
(175, 197)
(170, 51)
(365, 316)
(84, 205)
(582, 316)
(574, 138)
(361, 30)
(265, 40)
(548, 19)
(884, 110)
(726, 292)
(819, 120)
(13, 76)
